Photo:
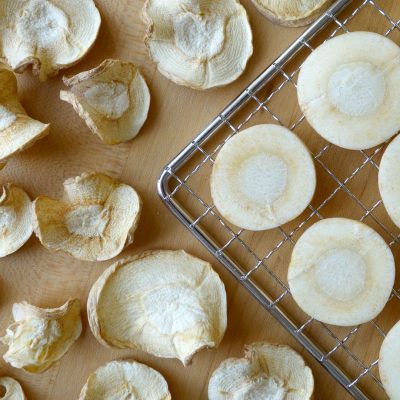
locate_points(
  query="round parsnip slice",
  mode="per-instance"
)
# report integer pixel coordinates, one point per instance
(262, 178)
(292, 12)
(113, 99)
(47, 34)
(125, 380)
(13, 390)
(95, 221)
(198, 43)
(41, 336)
(16, 225)
(267, 372)
(167, 303)
(347, 90)
(341, 272)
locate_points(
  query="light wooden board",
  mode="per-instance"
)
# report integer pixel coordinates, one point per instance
(177, 113)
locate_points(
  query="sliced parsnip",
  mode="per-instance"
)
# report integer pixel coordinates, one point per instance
(262, 178)
(13, 390)
(341, 272)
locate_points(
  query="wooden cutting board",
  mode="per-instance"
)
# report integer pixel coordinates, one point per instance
(177, 113)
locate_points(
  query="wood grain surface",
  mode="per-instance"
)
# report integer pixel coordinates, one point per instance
(176, 115)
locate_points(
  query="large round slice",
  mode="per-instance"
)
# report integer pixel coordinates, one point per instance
(120, 380)
(262, 178)
(347, 90)
(341, 272)
(166, 303)
(197, 43)
(13, 390)
(267, 372)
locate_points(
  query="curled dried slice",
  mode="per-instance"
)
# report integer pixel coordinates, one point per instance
(113, 99)
(95, 221)
(200, 44)
(17, 130)
(267, 372)
(341, 272)
(167, 303)
(41, 336)
(262, 178)
(125, 380)
(13, 390)
(47, 34)
(15, 219)
(347, 90)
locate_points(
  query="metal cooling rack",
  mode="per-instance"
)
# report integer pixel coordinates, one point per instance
(347, 353)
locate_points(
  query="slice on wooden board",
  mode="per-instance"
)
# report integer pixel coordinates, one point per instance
(95, 221)
(341, 272)
(262, 178)
(267, 372)
(41, 336)
(47, 34)
(12, 388)
(347, 90)
(113, 99)
(292, 12)
(18, 131)
(200, 44)
(119, 380)
(15, 219)
(167, 303)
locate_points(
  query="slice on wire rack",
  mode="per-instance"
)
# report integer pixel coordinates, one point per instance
(12, 388)
(347, 90)
(262, 178)
(341, 272)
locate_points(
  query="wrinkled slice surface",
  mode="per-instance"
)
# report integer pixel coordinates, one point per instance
(41, 336)
(166, 303)
(200, 44)
(113, 99)
(267, 372)
(341, 272)
(262, 178)
(13, 390)
(346, 90)
(119, 380)
(47, 34)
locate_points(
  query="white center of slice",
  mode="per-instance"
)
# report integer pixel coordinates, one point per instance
(341, 274)
(7, 118)
(357, 89)
(263, 387)
(263, 178)
(7, 219)
(199, 37)
(88, 221)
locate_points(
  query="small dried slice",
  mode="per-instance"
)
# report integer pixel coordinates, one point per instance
(167, 303)
(15, 219)
(13, 390)
(17, 130)
(113, 99)
(267, 372)
(125, 380)
(200, 44)
(95, 221)
(347, 90)
(47, 34)
(41, 336)
(262, 178)
(292, 12)
(341, 272)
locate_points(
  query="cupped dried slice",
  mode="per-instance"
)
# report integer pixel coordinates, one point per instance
(113, 99)
(341, 272)
(18, 131)
(13, 390)
(41, 336)
(262, 178)
(292, 12)
(167, 303)
(267, 372)
(347, 90)
(95, 221)
(197, 43)
(47, 34)
(125, 380)
(16, 225)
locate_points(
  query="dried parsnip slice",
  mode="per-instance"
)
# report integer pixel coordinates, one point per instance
(13, 390)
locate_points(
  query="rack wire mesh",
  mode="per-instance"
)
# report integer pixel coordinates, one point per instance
(260, 259)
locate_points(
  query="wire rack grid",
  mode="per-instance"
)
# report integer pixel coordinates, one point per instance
(259, 260)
